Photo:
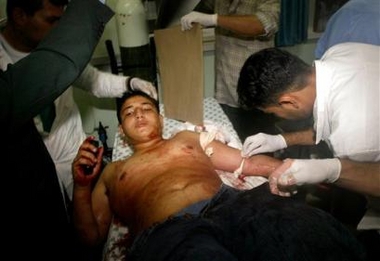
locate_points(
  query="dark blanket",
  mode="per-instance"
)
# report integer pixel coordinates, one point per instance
(249, 225)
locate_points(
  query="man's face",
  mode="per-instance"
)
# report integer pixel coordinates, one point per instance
(295, 105)
(140, 120)
(288, 112)
(35, 28)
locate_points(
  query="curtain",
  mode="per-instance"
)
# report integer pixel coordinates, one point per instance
(294, 20)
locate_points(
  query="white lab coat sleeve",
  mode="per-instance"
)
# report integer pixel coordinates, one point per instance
(101, 84)
(65, 137)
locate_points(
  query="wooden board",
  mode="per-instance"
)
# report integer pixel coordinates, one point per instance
(180, 68)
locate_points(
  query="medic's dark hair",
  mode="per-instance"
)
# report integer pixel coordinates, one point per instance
(269, 73)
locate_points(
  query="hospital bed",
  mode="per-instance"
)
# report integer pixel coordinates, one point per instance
(180, 59)
(214, 120)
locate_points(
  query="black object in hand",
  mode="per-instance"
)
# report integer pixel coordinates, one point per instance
(86, 168)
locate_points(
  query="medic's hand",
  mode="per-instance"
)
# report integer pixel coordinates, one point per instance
(137, 84)
(261, 143)
(88, 156)
(295, 172)
(195, 17)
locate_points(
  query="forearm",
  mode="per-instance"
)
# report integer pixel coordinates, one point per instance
(83, 217)
(101, 84)
(247, 25)
(360, 177)
(260, 165)
(261, 20)
(304, 137)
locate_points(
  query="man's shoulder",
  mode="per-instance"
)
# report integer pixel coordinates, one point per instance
(112, 166)
(111, 170)
(348, 49)
(185, 133)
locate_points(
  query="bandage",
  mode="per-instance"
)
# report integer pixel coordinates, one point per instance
(205, 138)
(239, 170)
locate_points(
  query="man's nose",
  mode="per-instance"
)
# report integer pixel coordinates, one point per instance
(139, 112)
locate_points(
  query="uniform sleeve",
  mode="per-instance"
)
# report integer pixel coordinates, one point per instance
(269, 14)
(37, 80)
(101, 84)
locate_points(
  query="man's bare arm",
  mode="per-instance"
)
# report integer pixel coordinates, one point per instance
(260, 165)
(229, 159)
(363, 177)
(91, 213)
(302, 137)
(248, 25)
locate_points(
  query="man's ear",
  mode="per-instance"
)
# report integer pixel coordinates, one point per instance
(289, 101)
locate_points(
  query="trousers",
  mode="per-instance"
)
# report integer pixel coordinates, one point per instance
(248, 225)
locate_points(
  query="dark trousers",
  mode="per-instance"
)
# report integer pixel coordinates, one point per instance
(247, 123)
(249, 225)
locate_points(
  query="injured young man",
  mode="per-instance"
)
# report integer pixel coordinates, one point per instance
(176, 207)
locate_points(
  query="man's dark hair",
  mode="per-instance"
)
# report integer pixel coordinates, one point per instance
(30, 6)
(269, 73)
(129, 94)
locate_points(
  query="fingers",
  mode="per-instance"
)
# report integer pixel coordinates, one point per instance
(148, 88)
(88, 155)
(252, 145)
(144, 86)
(187, 20)
(277, 189)
(152, 91)
(281, 180)
(186, 24)
(98, 164)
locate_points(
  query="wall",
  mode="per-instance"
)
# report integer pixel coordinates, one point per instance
(94, 110)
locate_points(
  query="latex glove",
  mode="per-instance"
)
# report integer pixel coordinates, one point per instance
(137, 84)
(196, 17)
(296, 172)
(261, 143)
